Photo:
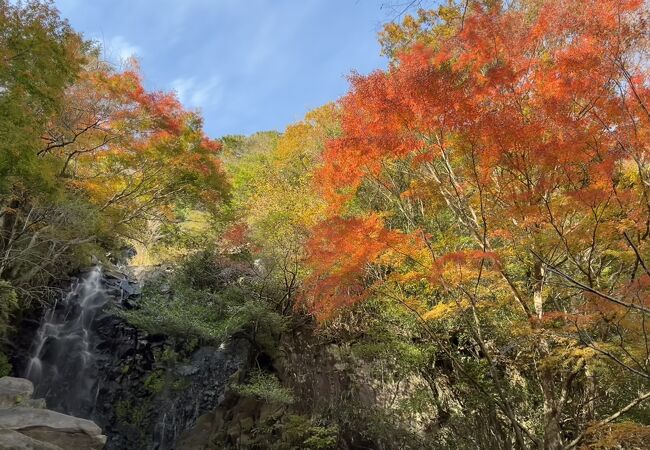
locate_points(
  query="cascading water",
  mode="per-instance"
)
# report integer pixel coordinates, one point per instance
(62, 356)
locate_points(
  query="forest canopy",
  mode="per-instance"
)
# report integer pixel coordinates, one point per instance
(473, 220)
(88, 157)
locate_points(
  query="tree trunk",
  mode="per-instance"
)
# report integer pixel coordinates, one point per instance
(552, 431)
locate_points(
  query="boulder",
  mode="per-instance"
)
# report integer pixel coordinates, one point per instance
(38, 403)
(14, 391)
(13, 440)
(67, 432)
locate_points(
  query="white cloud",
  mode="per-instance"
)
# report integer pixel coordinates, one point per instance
(198, 93)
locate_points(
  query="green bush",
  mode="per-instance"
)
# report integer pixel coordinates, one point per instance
(8, 304)
(266, 387)
(131, 414)
(303, 433)
(5, 367)
(207, 311)
(167, 357)
(155, 382)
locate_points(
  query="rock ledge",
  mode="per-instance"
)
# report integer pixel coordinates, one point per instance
(25, 427)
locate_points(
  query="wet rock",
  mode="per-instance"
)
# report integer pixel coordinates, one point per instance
(129, 288)
(186, 370)
(127, 358)
(199, 437)
(113, 274)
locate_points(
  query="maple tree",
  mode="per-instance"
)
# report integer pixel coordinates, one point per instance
(505, 149)
(135, 154)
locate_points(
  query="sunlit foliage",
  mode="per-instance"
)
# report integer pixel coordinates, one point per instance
(506, 147)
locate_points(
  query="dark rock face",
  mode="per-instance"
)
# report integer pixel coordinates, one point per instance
(146, 402)
(143, 390)
(327, 380)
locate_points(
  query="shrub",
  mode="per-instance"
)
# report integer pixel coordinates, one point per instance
(8, 303)
(5, 366)
(209, 312)
(265, 387)
(130, 414)
(304, 433)
(155, 382)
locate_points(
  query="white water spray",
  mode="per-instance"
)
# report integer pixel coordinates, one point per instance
(62, 352)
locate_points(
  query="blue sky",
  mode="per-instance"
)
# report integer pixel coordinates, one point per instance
(248, 65)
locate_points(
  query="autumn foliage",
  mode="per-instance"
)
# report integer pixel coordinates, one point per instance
(464, 237)
(521, 123)
(509, 140)
(134, 153)
(341, 249)
(90, 160)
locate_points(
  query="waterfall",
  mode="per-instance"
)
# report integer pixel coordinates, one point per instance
(62, 354)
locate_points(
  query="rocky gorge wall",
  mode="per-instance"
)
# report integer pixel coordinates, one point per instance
(142, 389)
(338, 403)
